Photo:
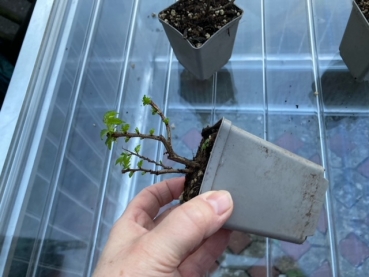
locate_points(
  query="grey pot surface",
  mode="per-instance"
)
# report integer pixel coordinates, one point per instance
(204, 61)
(354, 47)
(276, 193)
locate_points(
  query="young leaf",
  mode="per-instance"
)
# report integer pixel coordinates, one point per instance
(152, 132)
(103, 133)
(119, 160)
(140, 163)
(115, 121)
(205, 144)
(166, 120)
(137, 131)
(146, 100)
(137, 148)
(109, 114)
(143, 173)
(127, 139)
(109, 142)
(125, 128)
(126, 161)
(131, 174)
(154, 111)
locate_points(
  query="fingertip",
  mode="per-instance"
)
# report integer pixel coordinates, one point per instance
(221, 201)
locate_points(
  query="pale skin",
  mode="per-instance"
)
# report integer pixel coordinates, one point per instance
(183, 241)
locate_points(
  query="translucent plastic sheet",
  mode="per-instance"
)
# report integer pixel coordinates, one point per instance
(285, 82)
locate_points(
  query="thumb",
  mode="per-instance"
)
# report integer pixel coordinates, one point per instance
(184, 229)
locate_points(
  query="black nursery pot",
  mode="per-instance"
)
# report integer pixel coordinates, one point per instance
(204, 61)
(354, 48)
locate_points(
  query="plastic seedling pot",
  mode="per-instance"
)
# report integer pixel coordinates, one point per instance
(204, 61)
(276, 193)
(354, 48)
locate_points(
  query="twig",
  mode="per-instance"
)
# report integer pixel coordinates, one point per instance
(168, 147)
(147, 159)
(165, 120)
(157, 172)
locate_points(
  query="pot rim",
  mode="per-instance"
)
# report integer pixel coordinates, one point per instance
(211, 38)
(354, 4)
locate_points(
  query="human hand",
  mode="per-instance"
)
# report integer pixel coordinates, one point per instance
(182, 241)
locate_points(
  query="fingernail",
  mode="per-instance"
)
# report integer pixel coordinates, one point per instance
(220, 200)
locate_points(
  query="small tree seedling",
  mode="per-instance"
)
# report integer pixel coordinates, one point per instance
(194, 170)
(117, 128)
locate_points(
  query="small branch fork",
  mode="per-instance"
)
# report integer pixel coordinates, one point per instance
(147, 159)
(168, 147)
(166, 122)
(167, 142)
(165, 170)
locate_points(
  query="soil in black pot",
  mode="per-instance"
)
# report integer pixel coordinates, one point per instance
(364, 6)
(198, 20)
(194, 179)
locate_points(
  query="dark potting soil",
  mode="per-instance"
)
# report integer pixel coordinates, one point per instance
(198, 20)
(364, 6)
(193, 180)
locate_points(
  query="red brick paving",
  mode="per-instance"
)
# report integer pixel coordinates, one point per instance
(323, 222)
(192, 139)
(354, 250)
(296, 251)
(323, 271)
(289, 142)
(238, 242)
(363, 168)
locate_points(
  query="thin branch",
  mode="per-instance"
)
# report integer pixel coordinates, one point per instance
(157, 172)
(147, 159)
(168, 147)
(165, 120)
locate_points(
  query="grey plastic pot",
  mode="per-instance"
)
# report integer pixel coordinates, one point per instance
(204, 61)
(276, 193)
(354, 48)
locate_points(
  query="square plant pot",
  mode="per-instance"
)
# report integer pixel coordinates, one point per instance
(354, 48)
(276, 193)
(212, 55)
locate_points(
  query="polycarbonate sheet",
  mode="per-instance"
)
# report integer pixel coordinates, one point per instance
(285, 82)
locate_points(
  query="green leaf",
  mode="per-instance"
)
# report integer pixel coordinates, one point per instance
(109, 114)
(137, 131)
(140, 163)
(143, 173)
(166, 120)
(154, 111)
(131, 174)
(103, 133)
(126, 160)
(115, 121)
(205, 144)
(125, 128)
(119, 160)
(152, 132)
(146, 100)
(127, 139)
(109, 142)
(137, 149)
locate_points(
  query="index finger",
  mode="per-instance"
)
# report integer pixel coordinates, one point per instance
(148, 202)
